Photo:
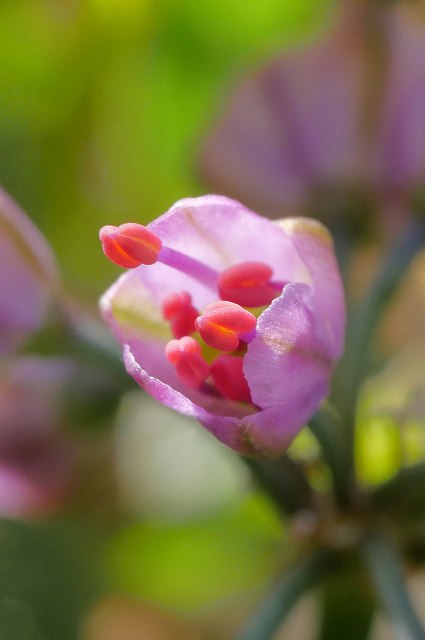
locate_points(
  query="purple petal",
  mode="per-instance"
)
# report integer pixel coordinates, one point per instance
(315, 247)
(288, 360)
(28, 275)
(226, 428)
(213, 229)
(269, 433)
(398, 158)
(222, 232)
(293, 124)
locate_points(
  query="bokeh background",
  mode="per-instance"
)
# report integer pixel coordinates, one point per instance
(104, 102)
(160, 533)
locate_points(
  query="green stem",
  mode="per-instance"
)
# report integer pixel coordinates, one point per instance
(362, 326)
(284, 481)
(386, 571)
(296, 581)
(326, 428)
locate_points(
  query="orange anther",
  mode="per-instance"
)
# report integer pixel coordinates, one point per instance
(185, 354)
(228, 376)
(223, 323)
(130, 244)
(247, 284)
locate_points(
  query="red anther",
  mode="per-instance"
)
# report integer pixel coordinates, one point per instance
(179, 310)
(130, 244)
(247, 284)
(186, 356)
(221, 324)
(228, 376)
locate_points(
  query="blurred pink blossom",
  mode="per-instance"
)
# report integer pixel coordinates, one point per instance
(28, 275)
(332, 126)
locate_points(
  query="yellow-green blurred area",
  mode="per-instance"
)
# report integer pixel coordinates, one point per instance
(103, 103)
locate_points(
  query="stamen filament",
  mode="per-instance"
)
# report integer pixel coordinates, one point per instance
(191, 266)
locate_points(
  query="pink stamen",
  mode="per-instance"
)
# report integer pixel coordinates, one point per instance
(178, 309)
(130, 245)
(185, 354)
(247, 284)
(228, 376)
(223, 323)
(191, 266)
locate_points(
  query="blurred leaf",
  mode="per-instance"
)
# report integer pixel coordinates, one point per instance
(299, 578)
(49, 571)
(326, 428)
(391, 418)
(362, 327)
(284, 481)
(386, 571)
(403, 495)
(17, 622)
(350, 622)
(191, 565)
(378, 449)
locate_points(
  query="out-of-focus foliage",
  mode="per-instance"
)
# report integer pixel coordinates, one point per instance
(103, 102)
(201, 563)
(48, 577)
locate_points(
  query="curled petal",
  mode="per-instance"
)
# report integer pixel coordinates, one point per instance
(287, 358)
(28, 275)
(315, 246)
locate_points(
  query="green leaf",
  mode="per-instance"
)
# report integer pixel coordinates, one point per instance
(186, 565)
(403, 495)
(327, 429)
(50, 571)
(298, 579)
(347, 606)
(386, 571)
(284, 481)
(17, 622)
(361, 330)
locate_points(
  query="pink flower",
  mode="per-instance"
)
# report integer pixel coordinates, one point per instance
(36, 460)
(28, 275)
(252, 376)
(338, 126)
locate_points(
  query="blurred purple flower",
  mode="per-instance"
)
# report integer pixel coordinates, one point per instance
(28, 275)
(287, 360)
(320, 128)
(36, 460)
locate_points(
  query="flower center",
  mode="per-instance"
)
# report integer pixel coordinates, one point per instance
(207, 346)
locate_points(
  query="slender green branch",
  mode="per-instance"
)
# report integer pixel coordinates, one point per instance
(284, 481)
(296, 581)
(347, 607)
(386, 571)
(327, 429)
(362, 326)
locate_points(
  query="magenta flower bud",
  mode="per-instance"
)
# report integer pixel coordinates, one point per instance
(278, 362)
(28, 275)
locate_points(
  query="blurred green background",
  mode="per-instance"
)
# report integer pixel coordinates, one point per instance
(103, 102)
